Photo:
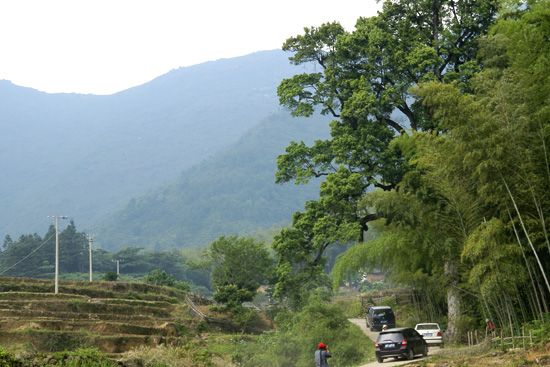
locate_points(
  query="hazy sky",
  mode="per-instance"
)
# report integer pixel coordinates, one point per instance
(104, 46)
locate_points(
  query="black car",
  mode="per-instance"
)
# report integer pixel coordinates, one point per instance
(400, 342)
(378, 316)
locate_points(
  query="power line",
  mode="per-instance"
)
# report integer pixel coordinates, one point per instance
(30, 253)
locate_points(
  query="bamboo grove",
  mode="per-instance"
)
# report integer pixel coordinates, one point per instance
(439, 143)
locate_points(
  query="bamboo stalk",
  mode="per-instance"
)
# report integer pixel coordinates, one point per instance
(527, 235)
(545, 151)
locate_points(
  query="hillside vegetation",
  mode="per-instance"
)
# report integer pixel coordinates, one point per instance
(233, 192)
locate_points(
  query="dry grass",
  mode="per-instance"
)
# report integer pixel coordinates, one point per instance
(112, 316)
(483, 356)
(189, 355)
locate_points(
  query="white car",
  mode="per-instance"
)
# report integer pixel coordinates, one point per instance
(431, 332)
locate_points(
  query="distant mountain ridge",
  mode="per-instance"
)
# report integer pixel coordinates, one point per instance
(233, 192)
(86, 156)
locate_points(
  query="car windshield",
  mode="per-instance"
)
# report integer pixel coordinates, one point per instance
(390, 337)
(383, 313)
(427, 327)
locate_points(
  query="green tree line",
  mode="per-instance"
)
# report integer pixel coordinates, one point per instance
(34, 256)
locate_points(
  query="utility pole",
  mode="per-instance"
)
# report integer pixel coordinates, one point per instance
(118, 267)
(56, 223)
(90, 243)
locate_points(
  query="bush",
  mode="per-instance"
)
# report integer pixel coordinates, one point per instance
(540, 330)
(85, 357)
(297, 335)
(8, 360)
(110, 276)
(160, 277)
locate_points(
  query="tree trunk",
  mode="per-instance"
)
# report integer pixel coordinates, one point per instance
(453, 302)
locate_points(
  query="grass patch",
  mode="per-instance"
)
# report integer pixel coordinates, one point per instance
(190, 354)
(482, 355)
(350, 306)
(87, 357)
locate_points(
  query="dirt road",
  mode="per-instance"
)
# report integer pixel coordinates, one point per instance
(387, 363)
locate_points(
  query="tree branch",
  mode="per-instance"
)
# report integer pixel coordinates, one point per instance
(404, 108)
(395, 125)
(320, 252)
(333, 113)
(384, 187)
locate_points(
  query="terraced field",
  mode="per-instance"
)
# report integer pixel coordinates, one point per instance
(112, 316)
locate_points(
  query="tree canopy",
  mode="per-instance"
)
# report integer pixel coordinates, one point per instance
(440, 131)
(239, 265)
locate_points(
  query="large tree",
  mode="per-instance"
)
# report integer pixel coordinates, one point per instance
(363, 79)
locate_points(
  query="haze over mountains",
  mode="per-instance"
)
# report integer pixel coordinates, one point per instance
(87, 156)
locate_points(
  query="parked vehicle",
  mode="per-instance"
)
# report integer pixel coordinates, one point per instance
(400, 342)
(378, 316)
(431, 332)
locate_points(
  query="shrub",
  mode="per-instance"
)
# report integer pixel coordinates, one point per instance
(85, 357)
(540, 329)
(110, 276)
(297, 336)
(8, 360)
(160, 277)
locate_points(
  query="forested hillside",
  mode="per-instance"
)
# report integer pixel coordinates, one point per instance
(86, 155)
(233, 192)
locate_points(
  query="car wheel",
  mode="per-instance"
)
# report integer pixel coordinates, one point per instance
(425, 351)
(410, 355)
(380, 359)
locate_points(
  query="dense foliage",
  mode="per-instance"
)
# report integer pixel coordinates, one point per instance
(440, 130)
(239, 267)
(297, 335)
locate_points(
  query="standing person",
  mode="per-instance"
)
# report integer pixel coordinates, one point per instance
(321, 355)
(489, 328)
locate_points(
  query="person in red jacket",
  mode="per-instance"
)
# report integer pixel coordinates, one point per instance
(489, 327)
(321, 355)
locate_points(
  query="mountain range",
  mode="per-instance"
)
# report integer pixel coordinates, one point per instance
(171, 163)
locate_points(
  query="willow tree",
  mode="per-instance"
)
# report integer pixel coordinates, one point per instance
(363, 80)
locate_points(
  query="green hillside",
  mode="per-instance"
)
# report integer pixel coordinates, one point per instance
(86, 155)
(232, 192)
